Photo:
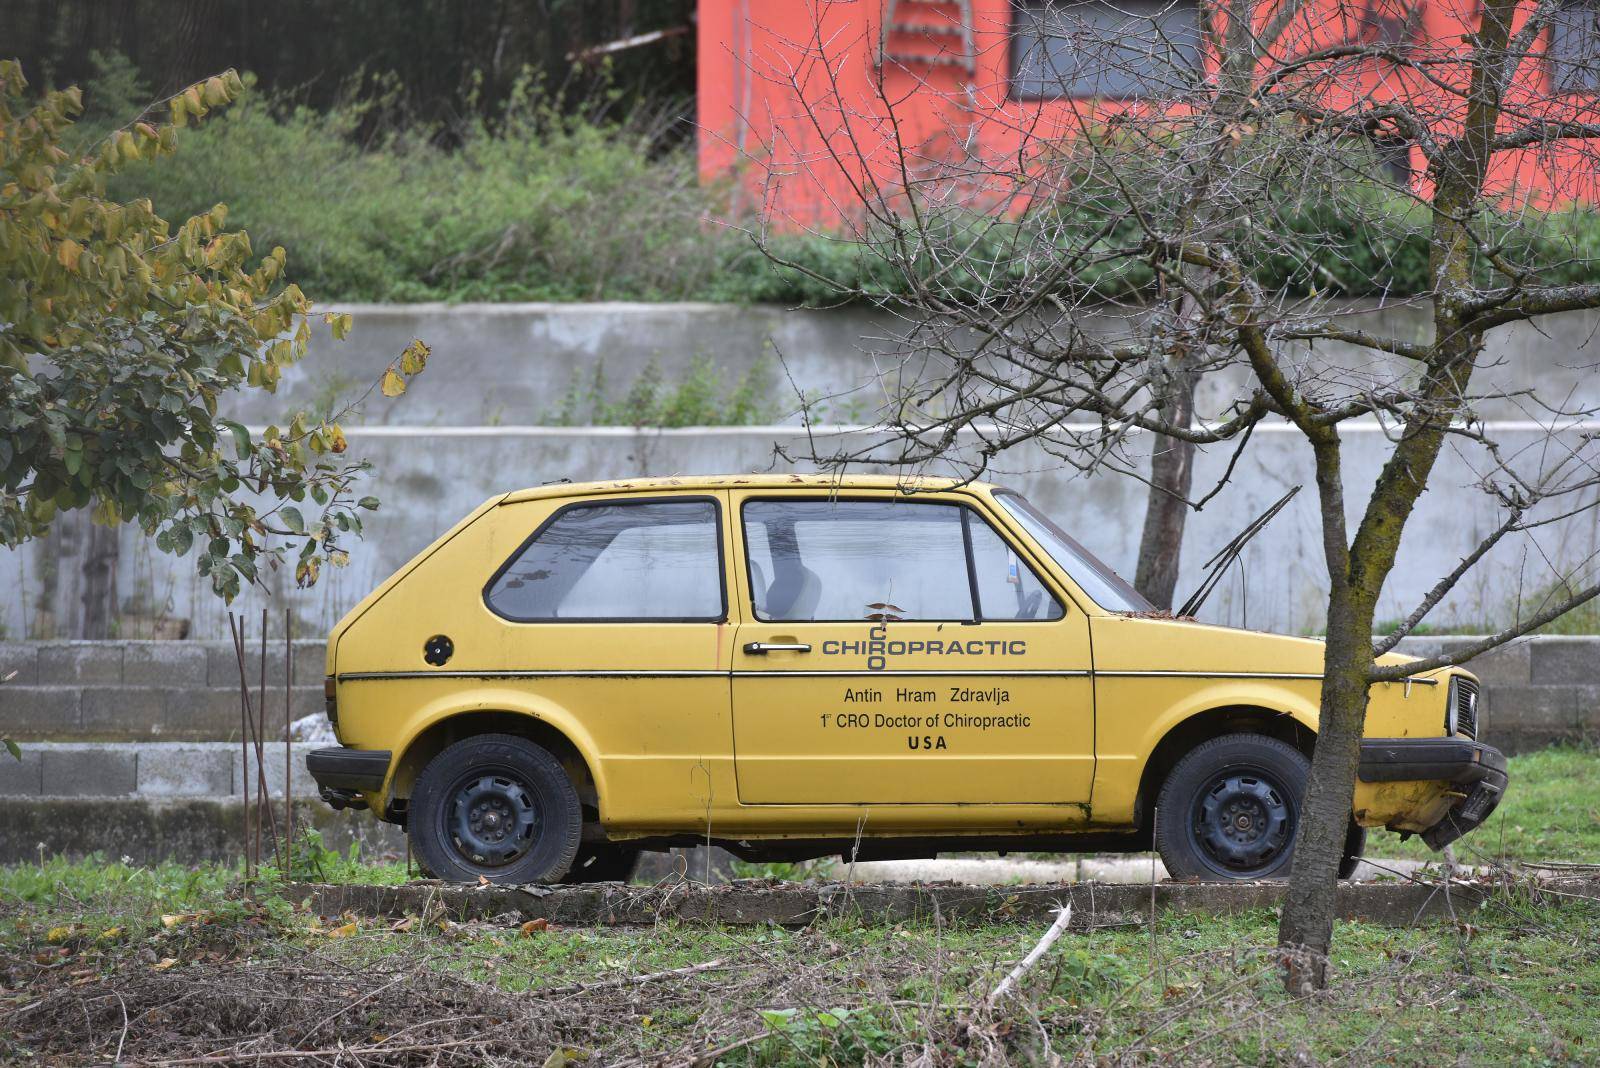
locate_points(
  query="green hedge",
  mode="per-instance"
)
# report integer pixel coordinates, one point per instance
(545, 206)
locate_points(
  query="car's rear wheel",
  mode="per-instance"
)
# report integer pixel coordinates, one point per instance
(496, 807)
(603, 863)
(1230, 809)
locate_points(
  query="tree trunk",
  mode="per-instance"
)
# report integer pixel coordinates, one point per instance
(1171, 476)
(1306, 929)
(101, 549)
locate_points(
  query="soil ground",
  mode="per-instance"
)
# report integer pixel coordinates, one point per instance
(106, 962)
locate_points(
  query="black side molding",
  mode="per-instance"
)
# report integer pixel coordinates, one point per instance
(339, 768)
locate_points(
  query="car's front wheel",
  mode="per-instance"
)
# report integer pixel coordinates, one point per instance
(496, 807)
(1230, 809)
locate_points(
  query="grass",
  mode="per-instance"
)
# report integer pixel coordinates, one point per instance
(200, 968)
(203, 969)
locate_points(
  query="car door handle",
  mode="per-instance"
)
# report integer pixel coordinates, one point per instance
(763, 648)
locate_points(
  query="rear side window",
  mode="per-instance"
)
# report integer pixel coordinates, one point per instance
(629, 562)
(884, 560)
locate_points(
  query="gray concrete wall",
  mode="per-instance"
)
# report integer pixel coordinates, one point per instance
(510, 364)
(184, 725)
(469, 429)
(172, 691)
(430, 477)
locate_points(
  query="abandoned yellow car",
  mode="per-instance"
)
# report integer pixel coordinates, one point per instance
(797, 666)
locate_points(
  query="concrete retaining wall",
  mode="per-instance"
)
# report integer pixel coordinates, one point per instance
(431, 477)
(1536, 692)
(471, 428)
(151, 771)
(146, 690)
(103, 769)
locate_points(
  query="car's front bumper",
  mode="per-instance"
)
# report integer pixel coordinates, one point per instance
(344, 775)
(1477, 771)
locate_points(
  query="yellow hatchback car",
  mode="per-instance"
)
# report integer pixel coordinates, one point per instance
(796, 666)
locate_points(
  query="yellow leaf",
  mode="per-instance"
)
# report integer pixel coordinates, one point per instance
(415, 358)
(163, 964)
(172, 919)
(111, 934)
(340, 323)
(344, 930)
(393, 385)
(336, 440)
(215, 92)
(58, 934)
(562, 1056)
(68, 253)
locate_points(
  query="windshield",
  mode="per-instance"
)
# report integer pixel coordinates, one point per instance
(1108, 589)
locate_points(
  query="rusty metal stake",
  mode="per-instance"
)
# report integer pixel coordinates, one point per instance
(236, 627)
(288, 730)
(265, 813)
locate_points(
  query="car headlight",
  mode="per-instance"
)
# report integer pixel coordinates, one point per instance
(1452, 715)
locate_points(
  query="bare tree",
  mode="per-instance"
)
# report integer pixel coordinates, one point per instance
(1070, 287)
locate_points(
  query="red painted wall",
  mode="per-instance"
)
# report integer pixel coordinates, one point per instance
(791, 107)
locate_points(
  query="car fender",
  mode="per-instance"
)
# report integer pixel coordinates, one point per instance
(1124, 749)
(491, 698)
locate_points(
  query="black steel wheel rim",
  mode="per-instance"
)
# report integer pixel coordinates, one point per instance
(1243, 822)
(491, 817)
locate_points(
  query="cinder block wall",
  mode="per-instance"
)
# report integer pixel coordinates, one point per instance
(1536, 692)
(133, 691)
(132, 747)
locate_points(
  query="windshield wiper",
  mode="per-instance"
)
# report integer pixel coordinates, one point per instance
(1218, 565)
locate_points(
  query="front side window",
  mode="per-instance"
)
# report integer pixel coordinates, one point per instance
(1575, 46)
(657, 560)
(1104, 586)
(1105, 48)
(884, 560)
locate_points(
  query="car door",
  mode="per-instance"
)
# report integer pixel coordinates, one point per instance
(902, 651)
(615, 611)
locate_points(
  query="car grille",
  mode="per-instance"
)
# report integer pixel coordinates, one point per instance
(1466, 698)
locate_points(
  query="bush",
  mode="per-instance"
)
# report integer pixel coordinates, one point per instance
(548, 203)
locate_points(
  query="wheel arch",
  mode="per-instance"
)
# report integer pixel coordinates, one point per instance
(444, 730)
(1183, 736)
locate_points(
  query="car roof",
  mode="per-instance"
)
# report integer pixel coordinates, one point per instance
(772, 482)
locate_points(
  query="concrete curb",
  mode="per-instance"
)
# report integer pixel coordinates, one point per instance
(752, 902)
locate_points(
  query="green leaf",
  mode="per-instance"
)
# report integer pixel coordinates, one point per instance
(369, 503)
(241, 438)
(293, 519)
(13, 748)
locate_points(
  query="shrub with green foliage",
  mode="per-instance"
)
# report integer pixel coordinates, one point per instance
(551, 203)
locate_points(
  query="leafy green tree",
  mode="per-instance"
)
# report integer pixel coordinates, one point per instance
(120, 336)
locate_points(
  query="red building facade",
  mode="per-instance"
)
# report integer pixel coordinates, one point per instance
(810, 104)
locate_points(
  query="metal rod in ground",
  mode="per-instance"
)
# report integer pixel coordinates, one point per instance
(288, 730)
(236, 628)
(252, 740)
(267, 813)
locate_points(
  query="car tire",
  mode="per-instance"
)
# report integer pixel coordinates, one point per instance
(495, 807)
(1355, 844)
(1230, 809)
(605, 863)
